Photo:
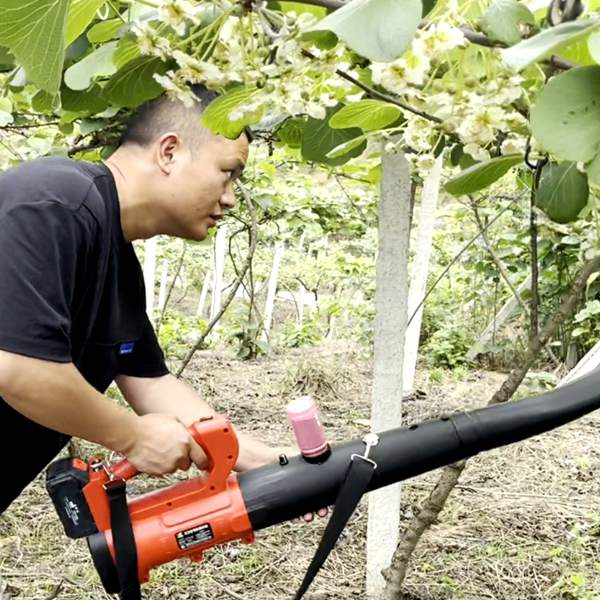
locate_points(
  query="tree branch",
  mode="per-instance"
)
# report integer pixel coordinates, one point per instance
(504, 274)
(480, 39)
(236, 285)
(454, 260)
(372, 93)
(159, 322)
(434, 504)
(328, 4)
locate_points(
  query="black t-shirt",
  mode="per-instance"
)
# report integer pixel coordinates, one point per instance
(71, 287)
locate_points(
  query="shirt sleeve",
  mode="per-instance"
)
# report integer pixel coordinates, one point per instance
(40, 246)
(145, 358)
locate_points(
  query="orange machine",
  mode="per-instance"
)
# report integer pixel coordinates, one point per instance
(182, 520)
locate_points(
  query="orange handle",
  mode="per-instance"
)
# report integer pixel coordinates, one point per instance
(202, 432)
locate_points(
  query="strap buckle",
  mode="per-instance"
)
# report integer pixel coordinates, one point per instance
(370, 440)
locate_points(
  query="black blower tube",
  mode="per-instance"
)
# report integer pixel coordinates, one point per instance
(277, 493)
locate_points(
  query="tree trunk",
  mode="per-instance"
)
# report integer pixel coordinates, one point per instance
(420, 270)
(390, 324)
(252, 237)
(150, 274)
(434, 504)
(203, 293)
(162, 292)
(272, 290)
(586, 365)
(220, 245)
(503, 315)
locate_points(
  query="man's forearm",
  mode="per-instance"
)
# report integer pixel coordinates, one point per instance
(56, 396)
(170, 395)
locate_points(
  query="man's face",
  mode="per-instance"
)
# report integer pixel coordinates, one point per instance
(200, 185)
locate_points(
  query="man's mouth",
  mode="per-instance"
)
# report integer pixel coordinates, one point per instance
(215, 219)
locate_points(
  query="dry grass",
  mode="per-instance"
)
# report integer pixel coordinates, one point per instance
(523, 524)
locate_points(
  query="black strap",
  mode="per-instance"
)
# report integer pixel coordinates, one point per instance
(123, 541)
(355, 485)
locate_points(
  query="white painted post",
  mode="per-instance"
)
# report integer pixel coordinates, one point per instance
(204, 292)
(301, 301)
(390, 324)
(420, 270)
(220, 245)
(503, 315)
(271, 290)
(162, 292)
(150, 274)
(586, 365)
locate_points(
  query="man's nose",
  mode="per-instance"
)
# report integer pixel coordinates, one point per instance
(228, 197)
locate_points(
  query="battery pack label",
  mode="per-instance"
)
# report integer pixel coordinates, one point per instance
(194, 537)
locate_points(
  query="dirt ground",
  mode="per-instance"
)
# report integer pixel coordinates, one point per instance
(524, 522)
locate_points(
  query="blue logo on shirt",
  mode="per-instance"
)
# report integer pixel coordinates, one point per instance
(126, 348)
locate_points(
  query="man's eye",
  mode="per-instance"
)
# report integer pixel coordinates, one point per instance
(230, 174)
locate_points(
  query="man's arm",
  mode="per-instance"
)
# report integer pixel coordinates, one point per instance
(169, 395)
(56, 396)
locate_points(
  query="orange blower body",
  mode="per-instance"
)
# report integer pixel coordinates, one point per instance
(184, 519)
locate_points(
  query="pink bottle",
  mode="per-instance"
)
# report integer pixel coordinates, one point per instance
(303, 414)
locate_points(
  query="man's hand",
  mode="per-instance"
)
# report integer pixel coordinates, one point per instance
(161, 444)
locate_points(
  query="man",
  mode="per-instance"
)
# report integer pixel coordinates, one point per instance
(72, 314)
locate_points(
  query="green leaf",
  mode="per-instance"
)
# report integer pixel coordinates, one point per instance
(547, 42)
(593, 171)
(481, 175)
(5, 118)
(81, 14)
(7, 60)
(366, 114)
(566, 117)
(105, 31)
(563, 192)
(134, 83)
(502, 20)
(87, 126)
(593, 43)
(127, 50)
(83, 103)
(577, 53)
(34, 31)
(298, 8)
(43, 102)
(346, 147)
(380, 30)
(319, 139)
(216, 116)
(428, 6)
(98, 63)
(290, 133)
(326, 40)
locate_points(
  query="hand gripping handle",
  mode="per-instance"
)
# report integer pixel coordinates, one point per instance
(216, 437)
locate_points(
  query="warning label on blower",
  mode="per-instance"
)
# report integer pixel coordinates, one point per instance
(194, 537)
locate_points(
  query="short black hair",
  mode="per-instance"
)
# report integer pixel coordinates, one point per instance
(164, 113)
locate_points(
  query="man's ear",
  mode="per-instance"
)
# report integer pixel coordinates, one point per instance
(169, 144)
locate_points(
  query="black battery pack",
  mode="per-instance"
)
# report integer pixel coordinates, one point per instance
(65, 480)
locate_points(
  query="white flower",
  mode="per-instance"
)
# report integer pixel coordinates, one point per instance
(328, 99)
(316, 111)
(412, 68)
(149, 42)
(424, 163)
(417, 134)
(441, 37)
(175, 88)
(477, 152)
(513, 145)
(177, 13)
(193, 70)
